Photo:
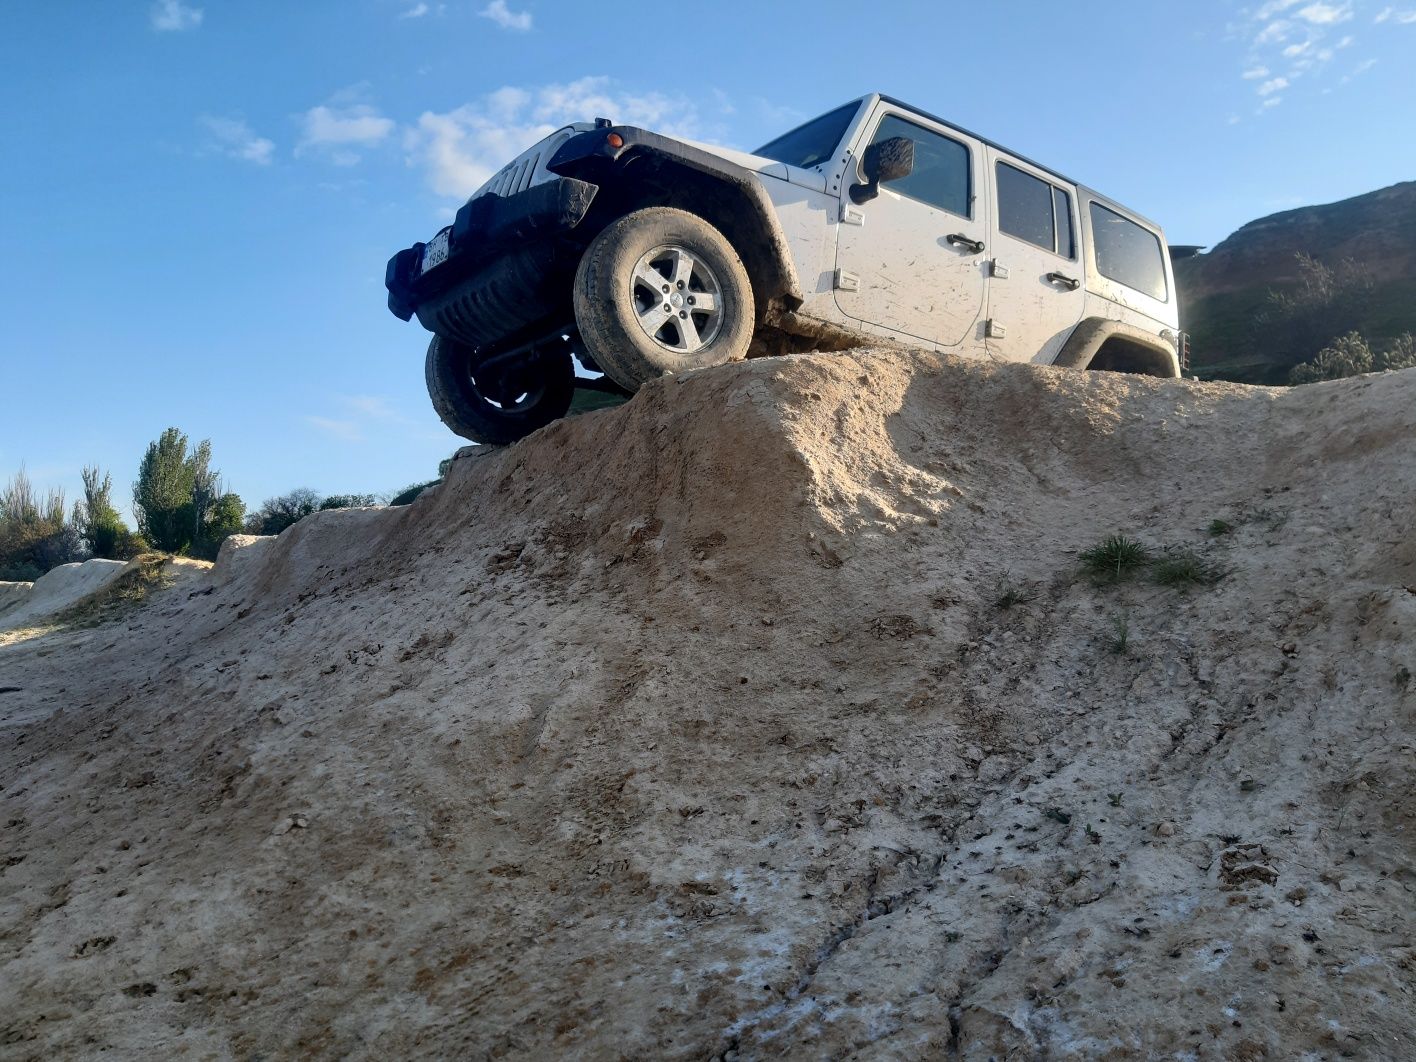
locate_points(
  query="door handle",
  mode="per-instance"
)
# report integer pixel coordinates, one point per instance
(1066, 281)
(958, 239)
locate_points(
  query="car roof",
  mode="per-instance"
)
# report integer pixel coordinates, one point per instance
(1105, 200)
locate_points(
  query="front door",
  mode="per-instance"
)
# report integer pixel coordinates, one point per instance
(1035, 290)
(912, 259)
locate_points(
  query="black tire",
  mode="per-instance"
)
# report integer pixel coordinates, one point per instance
(509, 404)
(611, 293)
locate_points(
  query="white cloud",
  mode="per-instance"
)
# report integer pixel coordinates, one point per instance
(1326, 14)
(1404, 17)
(1293, 39)
(416, 11)
(235, 139)
(1276, 32)
(173, 16)
(1364, 66)
(462, 148)
(359, 417)
(1272, 101)
(506, 18)
(344, 430)
(336, 131)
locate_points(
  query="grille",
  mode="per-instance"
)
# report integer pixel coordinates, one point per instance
(516, 177)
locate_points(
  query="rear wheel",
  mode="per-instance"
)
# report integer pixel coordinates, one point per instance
(500, 399)
(662, 291)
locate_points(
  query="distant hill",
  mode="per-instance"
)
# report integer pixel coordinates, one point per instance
(1222, 292)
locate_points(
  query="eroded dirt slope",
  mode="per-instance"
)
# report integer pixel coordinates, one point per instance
(767, 714)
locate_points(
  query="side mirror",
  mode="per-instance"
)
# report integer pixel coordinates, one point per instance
(887, 160)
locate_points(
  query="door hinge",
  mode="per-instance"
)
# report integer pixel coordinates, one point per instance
(998, 271)
(851, 217)
(845, 281)
(994, 330)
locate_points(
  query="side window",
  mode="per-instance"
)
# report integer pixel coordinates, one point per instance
(1127, 253)
(1034, 210)
(941, 174)
(1062, 211)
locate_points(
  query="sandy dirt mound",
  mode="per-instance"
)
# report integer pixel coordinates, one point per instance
(769, 714)
(56, 589)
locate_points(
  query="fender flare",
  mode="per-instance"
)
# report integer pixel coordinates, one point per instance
(1092, 334)
(590, 156)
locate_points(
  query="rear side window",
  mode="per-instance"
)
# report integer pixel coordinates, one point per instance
(1127, 253)
(941, 177)
(1034, 210)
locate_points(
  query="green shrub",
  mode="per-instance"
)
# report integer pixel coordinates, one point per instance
(348, 501)
(276, 514)
(35, 536)
(98, 521)
(1400, 355)
(1347, 355)
(225, 518)
(406, 496)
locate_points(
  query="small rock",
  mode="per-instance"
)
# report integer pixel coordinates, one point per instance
(1290, 648)
(1165, 829)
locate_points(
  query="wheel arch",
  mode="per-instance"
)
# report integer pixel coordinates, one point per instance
(652, 170)
(1099, 343)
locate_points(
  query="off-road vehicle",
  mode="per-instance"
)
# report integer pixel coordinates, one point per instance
(638, 254)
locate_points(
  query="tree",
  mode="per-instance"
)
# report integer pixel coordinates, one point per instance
(276, 514)
(34, 534)
(224, 518)
(98, 522)
(177, 492)
(1327, 302)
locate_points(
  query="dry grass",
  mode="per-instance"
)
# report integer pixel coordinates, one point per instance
(146, 573)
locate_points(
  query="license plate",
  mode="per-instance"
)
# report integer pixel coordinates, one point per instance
(435, 253)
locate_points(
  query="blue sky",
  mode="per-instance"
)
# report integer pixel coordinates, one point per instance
(199, 196)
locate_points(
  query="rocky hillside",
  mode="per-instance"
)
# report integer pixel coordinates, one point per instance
(771, 714)
(1221, 292)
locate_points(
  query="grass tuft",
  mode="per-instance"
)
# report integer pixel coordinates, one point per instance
(1120, 634)
(1219, 527)
(1183, 568)
(1008, 594)
(1115, 559)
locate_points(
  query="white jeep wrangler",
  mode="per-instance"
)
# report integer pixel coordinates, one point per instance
(638, 254)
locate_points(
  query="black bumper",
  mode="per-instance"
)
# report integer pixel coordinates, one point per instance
(485, 228)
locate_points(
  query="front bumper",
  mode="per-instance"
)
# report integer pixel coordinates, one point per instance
(483, 229)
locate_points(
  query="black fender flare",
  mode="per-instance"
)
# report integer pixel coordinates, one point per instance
(1093, 333)
(601, 155)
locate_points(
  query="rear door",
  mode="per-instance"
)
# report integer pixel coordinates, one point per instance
(1036, 285)
(911, 260)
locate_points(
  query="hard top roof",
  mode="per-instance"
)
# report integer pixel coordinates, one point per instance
(896, 101)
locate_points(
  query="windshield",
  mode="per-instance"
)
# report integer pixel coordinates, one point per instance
(813, 143)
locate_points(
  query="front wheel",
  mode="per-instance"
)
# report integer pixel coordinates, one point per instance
(500, 399)
(662, 291)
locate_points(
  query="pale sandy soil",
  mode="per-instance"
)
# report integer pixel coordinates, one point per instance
(704, 726)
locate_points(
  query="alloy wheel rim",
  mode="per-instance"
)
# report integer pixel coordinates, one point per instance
(676, 298)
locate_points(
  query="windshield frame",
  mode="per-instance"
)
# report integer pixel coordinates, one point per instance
(839, 118)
